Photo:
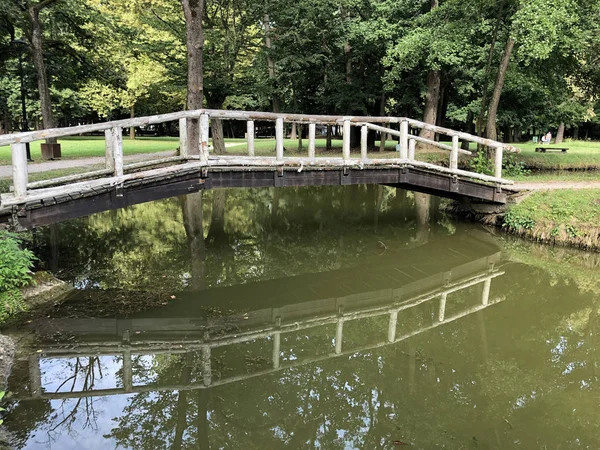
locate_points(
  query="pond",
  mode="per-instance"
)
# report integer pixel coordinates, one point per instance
(335, 317)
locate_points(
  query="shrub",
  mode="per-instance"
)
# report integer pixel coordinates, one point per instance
(15, 272)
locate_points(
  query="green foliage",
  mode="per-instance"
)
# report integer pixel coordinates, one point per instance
(15, 272)
(517, 220)
(511, 166)
(15, 263)
(480, 163)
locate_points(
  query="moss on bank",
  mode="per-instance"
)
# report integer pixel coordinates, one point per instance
(562, 217)
(15, 273)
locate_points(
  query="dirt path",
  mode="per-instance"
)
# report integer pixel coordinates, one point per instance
(553, 185)
(6, 171)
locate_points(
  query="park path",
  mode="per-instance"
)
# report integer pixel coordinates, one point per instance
(554, 185)
(6, 171)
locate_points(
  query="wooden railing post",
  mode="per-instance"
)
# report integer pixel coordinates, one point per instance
(454, 153)
(498, 163)
(109, 156)
(279, 139)
(204, 127)
(19, 164)
(183, 138)
(114, 150)
(392, 325)
(339, 335)
(276, 349)
(250, 137)
(206, 365)
(485, 294)
(312, 132)
(127, 372)
(412, 146)
(404, 139)
(442, 311)
(364, 139)
(346, 140)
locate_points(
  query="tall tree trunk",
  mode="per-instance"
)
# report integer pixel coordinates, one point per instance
(218, 139)
(442, 105)
(216, 230)
(560, 135)
(193, 11)
(271, 63)
(423, 207)
(328, 139)
(194, 229)
(299, 137)
(433, 94)
(293, 134)
(382, 113)
(495, 101)
(431, 101)
(132, 129)
(465, 144)
(576, 132)
(40, 65)
(488, 69)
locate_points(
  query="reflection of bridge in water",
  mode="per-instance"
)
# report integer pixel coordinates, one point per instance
(434, 281)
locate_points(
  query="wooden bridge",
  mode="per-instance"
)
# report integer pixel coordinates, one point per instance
(430, 289)
(32, 204)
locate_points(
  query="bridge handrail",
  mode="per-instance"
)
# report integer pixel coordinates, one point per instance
(190, 151)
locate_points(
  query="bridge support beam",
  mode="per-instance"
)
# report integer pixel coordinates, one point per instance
(404, 139)
(346, 140)
(183, 138)
(250, 137)
(312, 132)
(279, 139)
(204, 127)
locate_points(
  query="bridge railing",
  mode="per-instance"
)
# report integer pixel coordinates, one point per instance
(273, 333)
(198, 154)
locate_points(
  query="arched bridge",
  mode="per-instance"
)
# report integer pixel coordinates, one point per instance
(32, 204)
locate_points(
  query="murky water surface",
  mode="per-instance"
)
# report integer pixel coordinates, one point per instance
(333, 318)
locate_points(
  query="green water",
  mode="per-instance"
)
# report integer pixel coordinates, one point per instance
(332, 318)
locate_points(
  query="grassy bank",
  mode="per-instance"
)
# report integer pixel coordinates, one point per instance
(15, 273)
(562, 217)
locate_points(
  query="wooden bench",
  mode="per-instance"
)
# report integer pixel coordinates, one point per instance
(551, 149)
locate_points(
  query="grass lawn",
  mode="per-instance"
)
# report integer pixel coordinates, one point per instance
(560, 216)
(582, 155)
(562, 175)
(5, 183)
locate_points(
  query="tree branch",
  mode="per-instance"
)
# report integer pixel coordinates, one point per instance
(43, 4)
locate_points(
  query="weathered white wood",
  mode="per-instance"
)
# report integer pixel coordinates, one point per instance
(250, 137)
(312, 132)
(127, 372)
(485, 294)
(154, 162)
(117, 148)
(392, 325)
(184, 148)
(35, 376)
(454, 153)
(346, 140)
(498, 163)
(416, 138)
(109, 150)
(19, 168)
(206, 366)
(339, 335)
(279, 138)
(404, 139)
(364, 138)
(276, 349)
(442, 311)
(30, 136)
(412, 145)
(237, 115)
(204, 130)
(461, 135)
(69, 179)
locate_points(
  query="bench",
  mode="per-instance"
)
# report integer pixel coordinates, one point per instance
(551, 149)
